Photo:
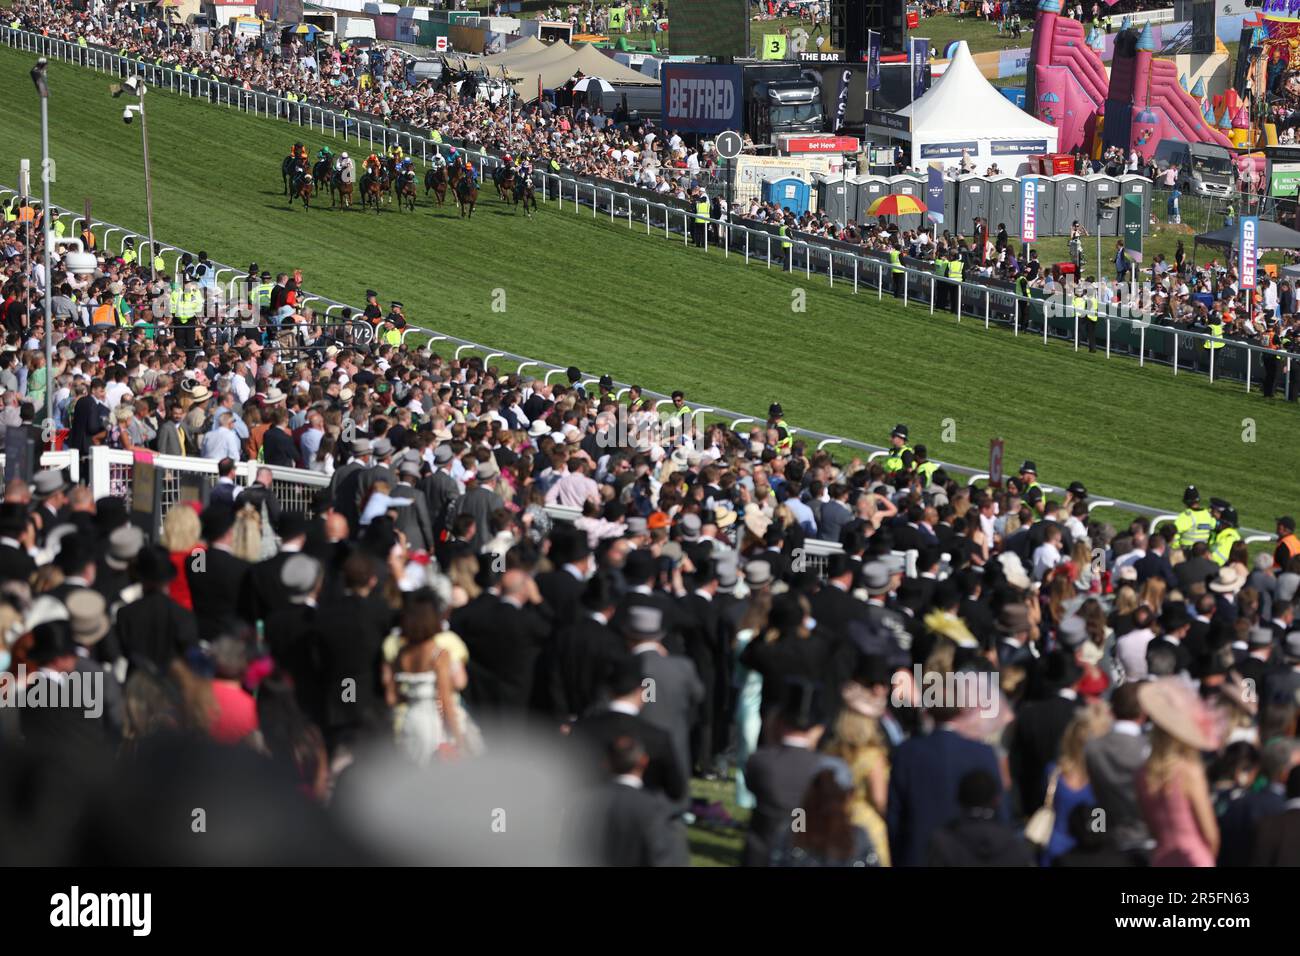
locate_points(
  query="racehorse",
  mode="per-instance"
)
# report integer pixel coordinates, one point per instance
(373, 188)
(435, 180)
(341, 188)
(302, 189)
(323, 169)
(467, 196)
(404, 189)
(288, 168)
(523, 192)
(504, 177)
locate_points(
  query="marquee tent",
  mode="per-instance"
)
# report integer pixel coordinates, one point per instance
(962, 112)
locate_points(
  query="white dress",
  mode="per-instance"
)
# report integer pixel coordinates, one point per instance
(419, 726)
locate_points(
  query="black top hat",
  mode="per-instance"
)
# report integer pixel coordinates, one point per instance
(154, 566)
(215, 521)
(1028, 466)
(50, 641)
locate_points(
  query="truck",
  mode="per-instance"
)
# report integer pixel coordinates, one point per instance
(1205, 169)
(359, 30)
(781, 98)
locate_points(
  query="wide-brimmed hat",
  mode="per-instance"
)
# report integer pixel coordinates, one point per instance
(273, 396)
(200, 393)
(1175, 708)
(487, 470)
(756, 523)
(538, 428)
(1012, 619)
(1231, 579)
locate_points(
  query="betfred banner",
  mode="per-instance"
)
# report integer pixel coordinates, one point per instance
(701, 98)
(1247, 251)
(1029, 209)
(873, 60)
(934, 194)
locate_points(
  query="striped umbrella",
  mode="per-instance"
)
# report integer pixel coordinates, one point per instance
(896, 205)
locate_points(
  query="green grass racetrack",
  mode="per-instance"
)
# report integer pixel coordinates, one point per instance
(607, 298)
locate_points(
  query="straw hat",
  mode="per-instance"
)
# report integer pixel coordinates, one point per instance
(1176, 709)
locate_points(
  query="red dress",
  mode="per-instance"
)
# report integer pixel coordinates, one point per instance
(179, 589)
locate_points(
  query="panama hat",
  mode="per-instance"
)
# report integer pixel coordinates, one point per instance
(1179, 711)
(1231, 580)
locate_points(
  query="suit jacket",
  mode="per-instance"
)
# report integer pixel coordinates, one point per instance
(594, 733)
(1240, 821)
(89, 418)
(834, 609)
(343, 491)
(1152, 565)
(562, 592)
(778, 776)
(221, 588)
(15, 564)
(1035, 743)
(439, 488)
(832, 520)
(583, 656)
(1113, 762)
(975, 841)
(169, 442)
(293, 634)
(504, 642)
(279, 448)
(414, 521)
(675, 696)
(480, 503)
(622, 825)
(923, 780)
(155, 629)
(351, 632)
(1194, 570)
(1277, 841)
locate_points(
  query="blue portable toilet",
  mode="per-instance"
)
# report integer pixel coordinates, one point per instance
(788, 193)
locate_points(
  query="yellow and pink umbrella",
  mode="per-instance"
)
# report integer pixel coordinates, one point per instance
(896, 205)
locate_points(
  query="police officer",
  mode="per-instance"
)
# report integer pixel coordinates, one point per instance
(776, 419)
(901, 457)
(1194, 523)
(1091, 313)
(787, 250)
(925, 468)
(1225, 532)
(186, 304)
(701, 202)
(1210, 346)
(262, 295)
(1031, 492)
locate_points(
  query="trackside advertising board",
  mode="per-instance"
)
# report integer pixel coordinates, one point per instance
(702, 98)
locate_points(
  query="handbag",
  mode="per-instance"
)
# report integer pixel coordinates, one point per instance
(1038, 830)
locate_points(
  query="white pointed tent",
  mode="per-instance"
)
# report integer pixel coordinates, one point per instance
(963, 111)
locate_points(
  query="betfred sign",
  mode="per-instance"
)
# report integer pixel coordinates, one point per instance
(1029, 209)
(1248, 244)
(701, 98)
(820, 144)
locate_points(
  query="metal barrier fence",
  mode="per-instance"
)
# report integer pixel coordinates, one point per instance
(101, 481)
(1182, 350)
(112, 473)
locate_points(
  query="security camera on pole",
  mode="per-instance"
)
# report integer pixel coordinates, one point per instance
(135, 86)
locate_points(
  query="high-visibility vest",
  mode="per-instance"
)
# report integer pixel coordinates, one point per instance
(1292, 545)
(262, 294)
(926, 470)
(128, 256)
(785, 243)
(895, 262)
(393, 337)
(81, 41)
(1215, 330)
(1193, 525)
(1079, 305)
(185, 306)
(1033, 485)
(783, 445)
(955, 268)
(1092, 306)
(26, 214)
(60, 228)
(158, 264)
(1224, 539)
(103, 315)
(894, 462)
(702, 211)
(940, 266)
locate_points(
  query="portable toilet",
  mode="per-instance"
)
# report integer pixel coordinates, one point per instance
(1004, 204)
(1071, 203)
(972, 202)
(837, 197)
(1131, 183)
(1046, 209)
(870, 188)
(1100, 189)
(788, 193)
(909, 186)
